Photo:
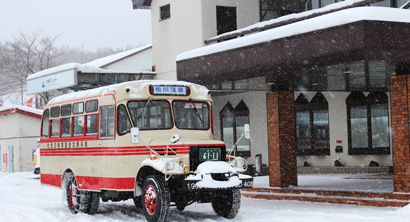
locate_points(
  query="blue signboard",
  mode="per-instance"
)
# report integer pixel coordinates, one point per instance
(169, 90)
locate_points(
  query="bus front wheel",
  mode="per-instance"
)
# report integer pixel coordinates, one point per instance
(156, 198)
(226, 203)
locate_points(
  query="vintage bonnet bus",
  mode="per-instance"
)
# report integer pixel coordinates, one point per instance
(150, 141)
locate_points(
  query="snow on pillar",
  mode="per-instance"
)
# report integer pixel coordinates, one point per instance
(400, 101)
(281, 139)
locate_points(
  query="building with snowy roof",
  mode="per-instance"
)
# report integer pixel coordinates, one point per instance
(19, 131)
(319, 82)
(129, 65)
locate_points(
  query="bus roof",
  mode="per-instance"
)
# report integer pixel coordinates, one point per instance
(137, 90)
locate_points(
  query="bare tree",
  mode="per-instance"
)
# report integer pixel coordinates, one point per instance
(26, 54)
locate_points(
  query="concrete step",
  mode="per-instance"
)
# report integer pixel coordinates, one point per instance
(329, 196)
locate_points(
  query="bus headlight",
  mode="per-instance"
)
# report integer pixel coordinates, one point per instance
(170, 165)
(240, 163)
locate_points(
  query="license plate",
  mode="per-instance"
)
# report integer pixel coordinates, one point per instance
(209, 154)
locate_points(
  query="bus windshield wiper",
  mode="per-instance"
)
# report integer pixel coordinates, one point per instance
(143, 109)
(197, 113)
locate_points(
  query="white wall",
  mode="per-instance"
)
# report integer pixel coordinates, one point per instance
(247, 13)
(170, 37)
(256, 103)
(21, 132)
(136, 63)
(191, 22)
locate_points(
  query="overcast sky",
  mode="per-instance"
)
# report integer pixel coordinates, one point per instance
(91, 23)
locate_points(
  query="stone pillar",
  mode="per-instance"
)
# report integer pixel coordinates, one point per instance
(399, 89)
(281, 139)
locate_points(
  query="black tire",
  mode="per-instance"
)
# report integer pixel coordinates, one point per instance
(137, 202)
(92, 202)
(155, 200)
(226, 203)
(72, 194)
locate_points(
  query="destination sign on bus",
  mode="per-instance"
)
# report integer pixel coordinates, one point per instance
(169, 90)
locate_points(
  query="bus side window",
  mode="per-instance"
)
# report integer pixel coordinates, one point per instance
(107, 119)
(45, 124)
(66, 127)
(124, 124)
(55, 127)
(92, 122)
(78, 122)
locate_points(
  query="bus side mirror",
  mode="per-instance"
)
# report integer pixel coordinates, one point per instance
(247, 131)
(135, 135)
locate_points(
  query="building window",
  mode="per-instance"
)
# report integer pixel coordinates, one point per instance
(368, 123)
(225, 19)
(232, 127)
(366, 76)
(165, 12)
(312, 125)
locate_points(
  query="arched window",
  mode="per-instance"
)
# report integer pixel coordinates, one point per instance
(368, 123)
(312, 125)
(232, 127)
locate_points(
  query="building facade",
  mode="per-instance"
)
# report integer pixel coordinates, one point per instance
(18, 140)
(315, 87)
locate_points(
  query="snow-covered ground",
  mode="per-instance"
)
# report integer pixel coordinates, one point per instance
(22, 198)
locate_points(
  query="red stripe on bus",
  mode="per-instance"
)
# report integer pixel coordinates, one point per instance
(98, 183)
(118, 151)
(92, 183)
(51, 179)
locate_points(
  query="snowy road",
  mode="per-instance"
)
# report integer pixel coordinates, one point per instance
(22, 198)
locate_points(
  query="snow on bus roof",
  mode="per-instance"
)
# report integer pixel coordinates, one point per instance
(201, 91)
(309, 25)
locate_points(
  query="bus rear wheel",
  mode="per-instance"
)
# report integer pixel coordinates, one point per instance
(155, 200)
(226, 203)
(72, 193)
(84, 201)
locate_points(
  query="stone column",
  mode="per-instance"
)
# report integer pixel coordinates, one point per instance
(281, 139)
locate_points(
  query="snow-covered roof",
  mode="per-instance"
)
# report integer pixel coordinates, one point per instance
(16, 108)
(100, 63)
(305, 26)
(289, 18)
(93, 66)
(69, 66)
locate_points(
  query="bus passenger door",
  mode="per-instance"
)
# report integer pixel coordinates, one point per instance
(11, 164)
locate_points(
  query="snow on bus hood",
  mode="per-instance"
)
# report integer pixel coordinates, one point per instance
(214, 167)
(203, 174)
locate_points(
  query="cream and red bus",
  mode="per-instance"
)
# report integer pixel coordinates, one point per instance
(150, 141)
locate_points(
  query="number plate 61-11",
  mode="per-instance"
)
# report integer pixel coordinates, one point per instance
(209, 154)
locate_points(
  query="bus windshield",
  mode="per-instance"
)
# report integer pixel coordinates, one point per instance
(151, 114)
(191, 115)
